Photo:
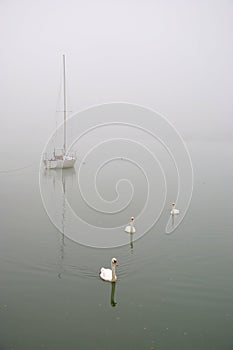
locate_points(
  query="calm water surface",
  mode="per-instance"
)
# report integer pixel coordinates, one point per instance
(173, 291)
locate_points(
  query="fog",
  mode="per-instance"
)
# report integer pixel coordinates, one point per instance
(172, 56)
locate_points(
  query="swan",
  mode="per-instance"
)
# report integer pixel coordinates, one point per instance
(130, 228)
(174, 211)
(107, 274)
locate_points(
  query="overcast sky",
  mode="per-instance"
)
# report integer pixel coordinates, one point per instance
(174, 56)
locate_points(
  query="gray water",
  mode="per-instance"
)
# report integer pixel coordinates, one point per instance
(173, 291)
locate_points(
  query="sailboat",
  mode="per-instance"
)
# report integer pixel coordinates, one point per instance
(61, 158)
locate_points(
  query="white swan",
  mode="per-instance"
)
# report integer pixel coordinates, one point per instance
(130, 228)
(174, 211)
(107, 274)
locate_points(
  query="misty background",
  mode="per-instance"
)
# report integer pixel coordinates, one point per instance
(174, 290)
(172, 56)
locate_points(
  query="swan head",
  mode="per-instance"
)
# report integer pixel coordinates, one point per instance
(173, 204)
(132, 219)
(114, 262)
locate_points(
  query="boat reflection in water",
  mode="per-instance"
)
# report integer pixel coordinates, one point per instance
(57, 181)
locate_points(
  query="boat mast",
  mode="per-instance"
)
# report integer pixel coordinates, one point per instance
(64, 101)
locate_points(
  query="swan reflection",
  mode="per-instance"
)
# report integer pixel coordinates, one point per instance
(112, 301)
(173, 220)
(131, 241)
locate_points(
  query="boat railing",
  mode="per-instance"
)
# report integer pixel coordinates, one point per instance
(71, 154)
(58, 154)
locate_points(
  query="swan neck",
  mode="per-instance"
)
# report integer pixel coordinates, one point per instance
(113, 303)
(113, 273)
(131, 226)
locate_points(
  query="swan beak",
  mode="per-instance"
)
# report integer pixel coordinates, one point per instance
(116, 263)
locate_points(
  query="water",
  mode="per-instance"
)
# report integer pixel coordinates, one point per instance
(173, 291)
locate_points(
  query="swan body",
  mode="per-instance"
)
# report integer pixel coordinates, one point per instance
(106, 274)
(109, 275)
(174, 211)
(130, 228)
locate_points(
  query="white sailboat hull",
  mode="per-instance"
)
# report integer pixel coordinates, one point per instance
(59, 163)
